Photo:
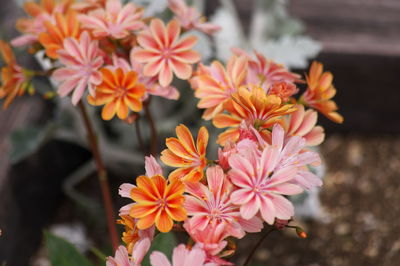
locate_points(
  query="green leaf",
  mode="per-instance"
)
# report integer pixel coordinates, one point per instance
(25, 142)
(63, 253)
(163, 242)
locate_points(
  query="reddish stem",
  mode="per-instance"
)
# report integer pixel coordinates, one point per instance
(153, 144)
(247, 262)
(139, 136)
(102, 175)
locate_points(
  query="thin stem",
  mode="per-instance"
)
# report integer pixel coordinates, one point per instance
(139, 136)
(102, 175)
(247, 262)
(153, 144)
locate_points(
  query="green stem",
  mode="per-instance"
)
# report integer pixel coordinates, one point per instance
(98, 253)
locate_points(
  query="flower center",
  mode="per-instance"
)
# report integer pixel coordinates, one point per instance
(162, 203)
(215, 212)
(120, 92)
(166, 53)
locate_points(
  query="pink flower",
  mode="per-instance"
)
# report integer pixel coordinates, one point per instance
(121, 257)
(303, 123)
(190, 18)
(181, 257)
(260, 188)
(113, 20)
(165, 53)
(225, 153)
(151, 83)
(211, 205)
(292, 153)
(211, 240)
(264, 72)
(82, 60)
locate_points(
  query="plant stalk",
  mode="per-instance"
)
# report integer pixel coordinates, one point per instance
(247, 262)
(153, 130)
(102, 175)
(139, 136)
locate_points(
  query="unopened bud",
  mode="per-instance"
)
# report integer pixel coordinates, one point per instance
(300, 232)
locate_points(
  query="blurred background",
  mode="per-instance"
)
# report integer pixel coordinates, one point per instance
(355, 215)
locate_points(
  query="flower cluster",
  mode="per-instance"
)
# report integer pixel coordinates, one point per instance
(246, 187)
(264, 158)
(108, 48)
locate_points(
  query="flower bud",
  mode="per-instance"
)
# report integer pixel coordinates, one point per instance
(301, 233)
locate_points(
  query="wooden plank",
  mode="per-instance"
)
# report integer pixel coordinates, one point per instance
(354, 26)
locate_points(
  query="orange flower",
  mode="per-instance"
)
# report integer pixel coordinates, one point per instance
(39, 12)
(14, 80)
(283, 90)
(65, 26)
(120, 92)
(319, 92)
(183, 153)
(254, 107)
(157, 202)
(214, 85)
(131, 234)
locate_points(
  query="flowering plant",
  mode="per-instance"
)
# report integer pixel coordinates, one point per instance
(110, 54)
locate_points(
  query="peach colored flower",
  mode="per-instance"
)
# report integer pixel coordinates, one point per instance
(292, 153)
(190, 18)
(88, 5)
(288, 151)
(211, 240)
(303, 123)
(119, 92)
(183, 153)
(254, 107)
(114, 20)
(181, 257)
(211, 205)
(165, 53)
(13, 79)
(82, 60)
(122, 258)
(214, 85)
(320, 91)
(65, 26)
(151, 83)
(260, 188)
(157, 202)
(283, 90)
(264, 72)
(39, 12)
